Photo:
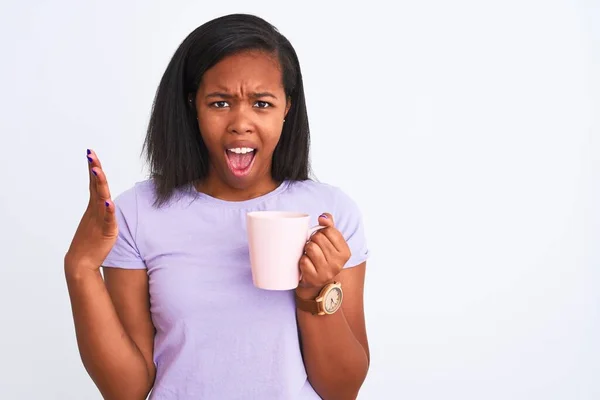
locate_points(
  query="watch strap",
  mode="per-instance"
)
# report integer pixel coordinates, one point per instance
(308, 305)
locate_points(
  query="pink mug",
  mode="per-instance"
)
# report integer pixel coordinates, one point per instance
(276, 241)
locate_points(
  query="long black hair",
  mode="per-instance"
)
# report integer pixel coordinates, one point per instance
(174, 147)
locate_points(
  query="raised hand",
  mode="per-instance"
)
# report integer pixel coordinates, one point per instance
(97, 230)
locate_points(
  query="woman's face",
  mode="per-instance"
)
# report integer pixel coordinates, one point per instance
(241, 105)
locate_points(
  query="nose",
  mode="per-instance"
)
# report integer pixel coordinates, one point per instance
(241, 121)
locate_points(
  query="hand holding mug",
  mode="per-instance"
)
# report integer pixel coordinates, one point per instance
(325, 254)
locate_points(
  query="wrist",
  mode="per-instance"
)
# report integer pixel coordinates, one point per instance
(311, 292)
(320, 300)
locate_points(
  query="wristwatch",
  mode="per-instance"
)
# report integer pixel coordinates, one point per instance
(328, 301)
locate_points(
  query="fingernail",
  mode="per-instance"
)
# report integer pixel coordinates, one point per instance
(89, 151)
(106, 203)
(323, 216)
(90, 159)
(94, 172)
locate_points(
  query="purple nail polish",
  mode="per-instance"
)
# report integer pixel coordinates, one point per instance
(106, 203)
(94, 172)
(90, 159)
(89, 151)
(323, 216)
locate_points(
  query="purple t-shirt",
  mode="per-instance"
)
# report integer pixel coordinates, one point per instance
(218, 336)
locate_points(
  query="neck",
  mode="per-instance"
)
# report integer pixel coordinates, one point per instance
(219, 189)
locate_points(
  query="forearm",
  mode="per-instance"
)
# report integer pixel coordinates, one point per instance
(111, 358)
(335, 361)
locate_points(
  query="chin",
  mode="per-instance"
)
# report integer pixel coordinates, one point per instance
(238, 182)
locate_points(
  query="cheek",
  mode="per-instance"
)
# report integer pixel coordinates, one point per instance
(210, 129)
(271, 133)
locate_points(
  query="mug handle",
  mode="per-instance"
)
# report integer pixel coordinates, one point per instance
(311, 232)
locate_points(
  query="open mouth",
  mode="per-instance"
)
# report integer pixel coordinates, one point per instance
(240, 160)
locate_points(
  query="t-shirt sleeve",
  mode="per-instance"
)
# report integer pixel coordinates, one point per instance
(348, 220)
(125, 253)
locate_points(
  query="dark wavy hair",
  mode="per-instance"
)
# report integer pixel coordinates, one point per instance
(174, 147)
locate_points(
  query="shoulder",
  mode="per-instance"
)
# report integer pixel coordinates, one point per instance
(142, 195)
(328, 193)
(321, 189)
(129, 196)
(139, 196)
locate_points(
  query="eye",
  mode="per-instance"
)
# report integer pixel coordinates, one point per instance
(262, 104)
(220, 104)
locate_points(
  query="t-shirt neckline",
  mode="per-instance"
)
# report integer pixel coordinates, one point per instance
(208, 199)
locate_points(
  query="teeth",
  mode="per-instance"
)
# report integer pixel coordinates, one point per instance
(241, 150)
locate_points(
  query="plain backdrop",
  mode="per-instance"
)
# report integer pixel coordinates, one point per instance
(467, 132)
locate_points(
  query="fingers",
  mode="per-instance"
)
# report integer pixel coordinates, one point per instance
(93, 159)
(93, 162)
(315, 253)
(110, 220)
(335, 236)
(99, 189)
(90, 162)
(324, 244)
(102, 190)
(307, 270)
(326, 219)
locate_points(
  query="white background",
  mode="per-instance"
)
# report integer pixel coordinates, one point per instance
(467, 131)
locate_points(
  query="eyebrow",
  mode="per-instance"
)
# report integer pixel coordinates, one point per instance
(254, 95)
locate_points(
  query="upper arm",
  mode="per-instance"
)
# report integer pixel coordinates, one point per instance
(349, 221)
(129, 292)
(353, 282)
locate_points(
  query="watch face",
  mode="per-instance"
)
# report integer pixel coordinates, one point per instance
(332, 300)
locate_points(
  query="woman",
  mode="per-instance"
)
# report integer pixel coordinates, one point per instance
(177, 314)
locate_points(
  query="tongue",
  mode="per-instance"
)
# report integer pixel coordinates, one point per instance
(240, 161)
